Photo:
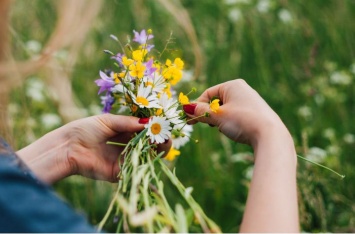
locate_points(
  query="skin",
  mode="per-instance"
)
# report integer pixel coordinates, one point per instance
(246, 118)
(80, 148)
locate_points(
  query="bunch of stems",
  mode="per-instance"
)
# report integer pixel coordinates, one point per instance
(139, 203)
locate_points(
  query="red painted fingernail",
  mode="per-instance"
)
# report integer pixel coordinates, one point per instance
(190, 108)
(143, 120)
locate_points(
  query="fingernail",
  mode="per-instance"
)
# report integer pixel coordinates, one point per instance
(190, 108)
(143, 120)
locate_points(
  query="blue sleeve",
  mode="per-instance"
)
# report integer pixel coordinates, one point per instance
(28, 205)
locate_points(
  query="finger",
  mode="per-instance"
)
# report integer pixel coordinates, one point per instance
(197, 113)
(120, 123)
(215, 91)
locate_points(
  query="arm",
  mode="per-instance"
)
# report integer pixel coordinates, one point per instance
(245, 117)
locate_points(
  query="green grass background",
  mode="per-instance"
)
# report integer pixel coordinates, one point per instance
(291, 63)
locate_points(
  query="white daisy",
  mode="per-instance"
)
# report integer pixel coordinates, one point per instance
(169, 106)
(145, 97)
(184, 137)
(157, 84)
(158, 129)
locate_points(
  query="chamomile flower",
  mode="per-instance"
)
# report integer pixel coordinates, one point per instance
(145, 98)
(182, 135)
(158, 129)
(169, 107)
(157, 85)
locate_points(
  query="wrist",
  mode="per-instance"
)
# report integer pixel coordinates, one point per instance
(274, 134)
(47, 157)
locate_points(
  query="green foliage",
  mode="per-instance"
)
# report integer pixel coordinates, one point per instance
(299, 55)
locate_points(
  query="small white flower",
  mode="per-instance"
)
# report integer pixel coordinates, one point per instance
(316, 154)
(285, 16)
(145, 97)
(235, 15)
(305, 112)
(158, 129)
(34, 46)
(50, 120)
(329, 133)
(340, 77)
(35, 90)
(263, 6)
(349, 138)
(179, 141)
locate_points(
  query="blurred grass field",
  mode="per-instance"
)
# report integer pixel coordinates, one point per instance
(299, 55)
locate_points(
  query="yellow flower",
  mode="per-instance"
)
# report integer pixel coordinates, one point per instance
(172, 154)
(139, 54)
(214, 105)
(179, 63)
(168, 63)
(172, 72)
(126, 61)
(137, 70)
(183, 99)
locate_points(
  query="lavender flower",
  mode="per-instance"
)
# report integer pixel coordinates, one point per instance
(149, 69)
(118, 58)
(107, 101)
(105, 83)
(141, 37)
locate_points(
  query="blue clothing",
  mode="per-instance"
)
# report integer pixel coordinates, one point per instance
(28, 205)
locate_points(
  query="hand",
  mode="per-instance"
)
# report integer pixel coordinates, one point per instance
(88, 154)
(80, 148)
(244, 115)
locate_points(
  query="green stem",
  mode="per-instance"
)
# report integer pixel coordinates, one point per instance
(327, 168)
(115, 143)
(108, 212)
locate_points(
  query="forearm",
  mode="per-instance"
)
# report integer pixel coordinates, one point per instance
(46, 157)
(272, 200)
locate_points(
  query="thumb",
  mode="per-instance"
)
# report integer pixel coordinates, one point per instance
(200, 112)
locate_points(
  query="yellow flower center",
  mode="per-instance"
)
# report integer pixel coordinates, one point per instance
(158, 112)
(142, 100)
(155, 128)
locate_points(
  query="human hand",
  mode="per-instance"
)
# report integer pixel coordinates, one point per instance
(244, 116)
(90, 156)
(80, 148)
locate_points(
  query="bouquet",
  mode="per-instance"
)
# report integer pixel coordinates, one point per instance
(142, 85)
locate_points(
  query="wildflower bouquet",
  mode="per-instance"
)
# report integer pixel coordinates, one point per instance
(141, 84)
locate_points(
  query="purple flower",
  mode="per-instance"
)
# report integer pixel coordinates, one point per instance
(118, 58)
(107, 101)
(141, 37)
(149, 69)
(105, 83)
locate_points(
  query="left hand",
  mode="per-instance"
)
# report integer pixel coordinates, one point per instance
(88, 153)
(80, 147)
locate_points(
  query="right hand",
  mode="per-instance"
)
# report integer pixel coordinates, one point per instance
(243, 117)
